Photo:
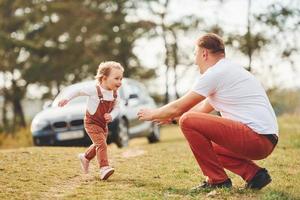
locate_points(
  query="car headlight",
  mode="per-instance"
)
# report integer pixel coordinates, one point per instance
(37, 125)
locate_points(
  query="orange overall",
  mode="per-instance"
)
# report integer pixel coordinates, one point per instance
(96, 128)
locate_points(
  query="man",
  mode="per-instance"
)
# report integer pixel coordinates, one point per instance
(247, 129)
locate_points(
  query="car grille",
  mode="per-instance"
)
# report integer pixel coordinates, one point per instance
(60, 124)
(78, 122)
(65, 126)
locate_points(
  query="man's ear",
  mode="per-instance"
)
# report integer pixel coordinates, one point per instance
(205, 54)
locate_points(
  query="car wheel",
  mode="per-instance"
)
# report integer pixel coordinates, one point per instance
(155, 134)
(36, 141)
(122, 138)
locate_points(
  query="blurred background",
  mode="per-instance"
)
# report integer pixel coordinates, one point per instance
(46, 45)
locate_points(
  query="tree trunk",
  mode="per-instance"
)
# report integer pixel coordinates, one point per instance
(19, 118)
(167, 58)
(16, 97)
(4, 112)
(175, 61)
(167, 74)
(249, 39)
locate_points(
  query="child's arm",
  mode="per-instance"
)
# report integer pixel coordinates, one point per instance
(84, 91)
(63, 102)
(109, 117)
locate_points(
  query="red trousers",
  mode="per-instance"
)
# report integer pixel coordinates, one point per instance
(219, 143)
(99, 146)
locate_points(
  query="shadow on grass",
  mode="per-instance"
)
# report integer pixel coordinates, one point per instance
(172, 140)
(194, 193)
(136, 183)
(277, 195)
(227, 193)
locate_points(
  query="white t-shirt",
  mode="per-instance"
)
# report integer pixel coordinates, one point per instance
(237, 95)
(93, 99)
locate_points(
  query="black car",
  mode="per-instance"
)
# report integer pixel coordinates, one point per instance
(64, 125)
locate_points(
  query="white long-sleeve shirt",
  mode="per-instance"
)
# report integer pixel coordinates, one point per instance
(93, 99)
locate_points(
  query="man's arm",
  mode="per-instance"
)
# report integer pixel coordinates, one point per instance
(173, 109)
(203, 107)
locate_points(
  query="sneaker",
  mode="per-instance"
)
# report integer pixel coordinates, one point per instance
(209, 186)
(84, 163)
(106, 172)
(260, 180)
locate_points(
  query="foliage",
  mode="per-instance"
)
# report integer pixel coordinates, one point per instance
(284, 101)
(22, 138)
(170, 32)
(276, 28)
(283, 20)
(54, 43)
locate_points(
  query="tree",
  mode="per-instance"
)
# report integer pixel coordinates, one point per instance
(283, 20)
(53, 43)
(170, 31)
(277, 29)
(11, 66)
(249, 43)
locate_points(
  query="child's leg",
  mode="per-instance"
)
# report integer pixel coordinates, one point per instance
(99, 147)
(90, 153)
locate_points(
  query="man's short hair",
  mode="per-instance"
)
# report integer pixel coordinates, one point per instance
(212, 42)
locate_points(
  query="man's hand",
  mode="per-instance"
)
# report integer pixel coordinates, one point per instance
(63, 102)
(107, 117)
(146, 114)
(163, 121)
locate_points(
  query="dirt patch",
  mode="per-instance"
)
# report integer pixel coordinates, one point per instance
(67, 186)
(133, 153)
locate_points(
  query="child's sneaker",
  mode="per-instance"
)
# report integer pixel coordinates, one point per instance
(84, 163)
(106, 172)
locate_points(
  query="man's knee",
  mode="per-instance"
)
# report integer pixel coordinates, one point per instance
(186, 120)
(191, 119)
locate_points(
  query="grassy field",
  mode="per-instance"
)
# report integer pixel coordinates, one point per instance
(166, 170)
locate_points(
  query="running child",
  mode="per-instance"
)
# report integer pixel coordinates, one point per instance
(102, 108)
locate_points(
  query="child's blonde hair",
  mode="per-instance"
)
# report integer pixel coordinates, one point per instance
(104, 69)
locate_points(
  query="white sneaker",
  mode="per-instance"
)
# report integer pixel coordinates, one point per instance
(106, 172)
(84, 163)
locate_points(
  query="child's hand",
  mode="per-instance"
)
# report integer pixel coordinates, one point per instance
(63, 102)
(107, 117)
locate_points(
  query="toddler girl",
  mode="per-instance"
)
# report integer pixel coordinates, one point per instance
(102, 108)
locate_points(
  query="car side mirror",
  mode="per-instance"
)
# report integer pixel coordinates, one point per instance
(133, 96)
(47, 104)
(132, 100)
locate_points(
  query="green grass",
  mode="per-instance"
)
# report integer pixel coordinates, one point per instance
(166, 170)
